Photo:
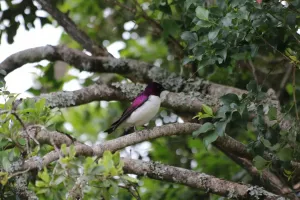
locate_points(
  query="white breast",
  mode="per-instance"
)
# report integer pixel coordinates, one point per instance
(145, 112)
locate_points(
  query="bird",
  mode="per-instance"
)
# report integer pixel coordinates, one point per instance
(143, 108)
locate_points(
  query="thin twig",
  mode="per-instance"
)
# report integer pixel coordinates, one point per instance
(25, 130)
(284, 80)
(71, 28)
(179, 48)
(274, 48)
(134, 192)
(24, 127)
(294, 91)
(19, 173)
(253, 70)
(132, 10)
(268, 74)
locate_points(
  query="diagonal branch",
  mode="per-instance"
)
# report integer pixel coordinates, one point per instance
(151, 169)
(157, 27)
(70, 27)
(226, 144)
(196, 180)
(178, 102)
(266, 178)
(136, 70)
(185, 104)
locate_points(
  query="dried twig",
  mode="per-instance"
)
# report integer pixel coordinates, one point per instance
(253, 71)
(284, 80)
(70, 27)
(294, 92)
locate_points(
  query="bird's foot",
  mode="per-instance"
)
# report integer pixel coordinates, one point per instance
(128, 131)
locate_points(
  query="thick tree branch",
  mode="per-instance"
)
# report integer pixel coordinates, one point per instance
(70, 27)
(196, 180)
(231, 147)
(267, 179)
(226, 144)
(44, 136)
(152, 170)
(179, 102)
(136, 70)
(186, 104)
(195, 92)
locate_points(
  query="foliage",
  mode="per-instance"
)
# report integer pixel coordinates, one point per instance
(228, 42)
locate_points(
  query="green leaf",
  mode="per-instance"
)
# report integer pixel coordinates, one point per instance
(272, 114)
(202, 13)
(230, 98)
(222, 53)
(200, 115)
(227, 20)
(40, 104)
(44, 175)
(72, 151)
(221, 113)
(190, 38)
(170, 27)
(41, 190)
(210, 137)
(260, 163)
(40, 184)
(220, 127)
(59, 180)
(275, 147)
(113, 171)
(114, 189)
(257, 147)
(22, 141)
(107, 162)
(107, 154)
(252, 87)
(116, 158)
(202, 24)
(188, 3)
(130, 179)
(3, 178)
(203, 129)
(63, 149)
(5, 163)
(285, 154)
(187, 60)
(165, 9)
(207, 110)
(267, 143)
(213, 34)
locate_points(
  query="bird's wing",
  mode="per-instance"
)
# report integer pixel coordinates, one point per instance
(138, 101)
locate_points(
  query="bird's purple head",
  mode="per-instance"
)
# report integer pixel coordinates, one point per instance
(154, 88)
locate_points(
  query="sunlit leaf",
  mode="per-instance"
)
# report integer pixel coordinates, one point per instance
(3, 178)
(208, 110)
(202, 13)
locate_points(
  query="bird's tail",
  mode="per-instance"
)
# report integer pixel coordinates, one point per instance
(111, 129)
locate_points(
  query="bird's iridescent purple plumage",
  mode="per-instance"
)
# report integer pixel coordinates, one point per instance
(151, 89)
